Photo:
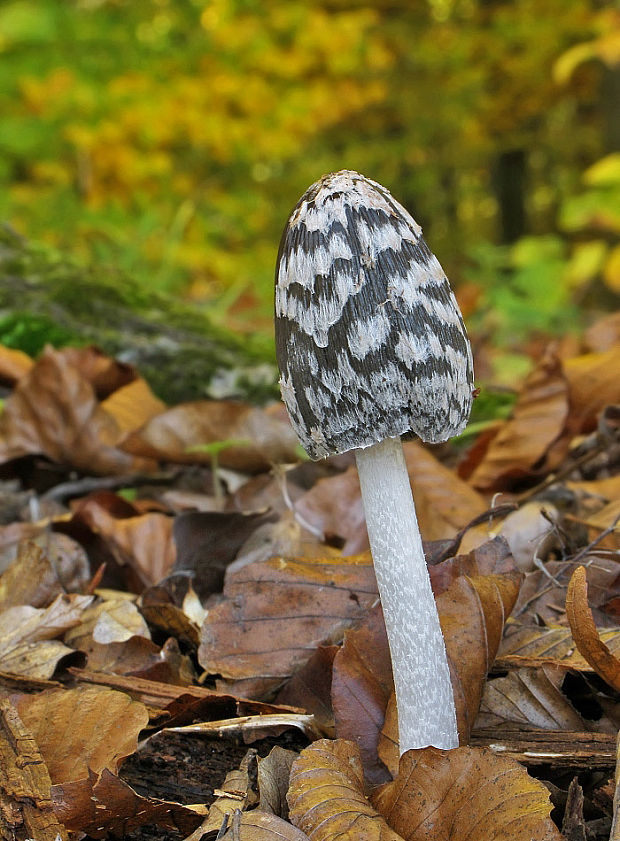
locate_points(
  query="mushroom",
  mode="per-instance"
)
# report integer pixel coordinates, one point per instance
(371, 346)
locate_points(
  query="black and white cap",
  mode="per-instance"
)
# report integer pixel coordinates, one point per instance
(370, 341)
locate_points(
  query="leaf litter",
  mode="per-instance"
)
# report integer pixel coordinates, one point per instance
(175, 585)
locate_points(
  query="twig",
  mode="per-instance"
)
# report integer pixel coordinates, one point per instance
(88, 484)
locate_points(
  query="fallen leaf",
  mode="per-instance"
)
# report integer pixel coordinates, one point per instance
(533, 699)
(53, 411)
(593, 384)
(27, 635)
(171, 435)
(104, 373)
(465, 793)
(276, 613)
(261, 826)
(106, 621)
(310, 688)
(143, 542)
(326, 795)
(104, 806)
(604, 334)
(274, 772)
(361, 687)
(94, 728)
(521, 448)
(584, 632)
(237, 793)
(34, 579)
(14, 364)
(133, 405)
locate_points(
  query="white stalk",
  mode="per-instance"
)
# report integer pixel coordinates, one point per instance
(424, 696)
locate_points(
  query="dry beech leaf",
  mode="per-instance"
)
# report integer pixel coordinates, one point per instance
(133, 405)
(593, 384)
(143, 542)
(604, 334)
(463, 794)
(168, 437)
(274, 773)
(521, 447)
(108, 621)
(27, 635)
(44, 568)
(584, 632)
(361, 686)
(261, 826)
(54, 411)
(94, 728)
(311, 686)
(533, 699)
(326, 795)
(14, 364)
(104, 806)
(533, 645)
(276, 613)
(104, 373)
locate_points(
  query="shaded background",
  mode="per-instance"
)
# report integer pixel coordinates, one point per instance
(170, 138)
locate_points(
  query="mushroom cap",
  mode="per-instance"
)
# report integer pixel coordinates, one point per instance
(370, 341)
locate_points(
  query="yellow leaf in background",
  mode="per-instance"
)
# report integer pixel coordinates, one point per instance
(611, 270)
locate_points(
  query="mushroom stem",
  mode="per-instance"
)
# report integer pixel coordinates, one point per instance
(424, 695)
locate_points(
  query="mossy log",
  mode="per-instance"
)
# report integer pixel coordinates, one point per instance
(46, 297)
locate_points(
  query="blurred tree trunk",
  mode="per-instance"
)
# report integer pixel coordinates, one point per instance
(509, 178)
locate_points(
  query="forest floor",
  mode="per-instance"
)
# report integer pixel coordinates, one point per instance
(191, 644)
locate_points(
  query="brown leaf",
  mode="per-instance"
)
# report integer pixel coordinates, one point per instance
(34, 580)
(27, 635)
(520, 449)
(143, 542)
(465, 793)
(133, 405)
(310, 688)
(326, 795)
(113, 619)
(533, 699)
(273, 779)
(533, 645)
(105, 374)
(170, 436)
(237, 792)
(361, 687)
(104, 806)
(584, 631)
(593, 384)
(14, 364)
(604, 334)
(261, 826)
(94, 728)
(276, 613)
(54, 411)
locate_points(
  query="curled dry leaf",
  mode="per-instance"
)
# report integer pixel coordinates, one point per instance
(466, 793)
(54, 411)
(27, 635)
(94, 728)
(326, 795)
(257, 438)
(107, 621)
(261, 826)
(144, 542)
(104, 373)
(274, 773)
(523, 445)
(133, 405)
(237, 793)
(533, 699)
(536, 646)
(276, 613)
(584, 632)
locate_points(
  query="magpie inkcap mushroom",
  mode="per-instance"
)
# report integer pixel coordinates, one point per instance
(371, 346)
